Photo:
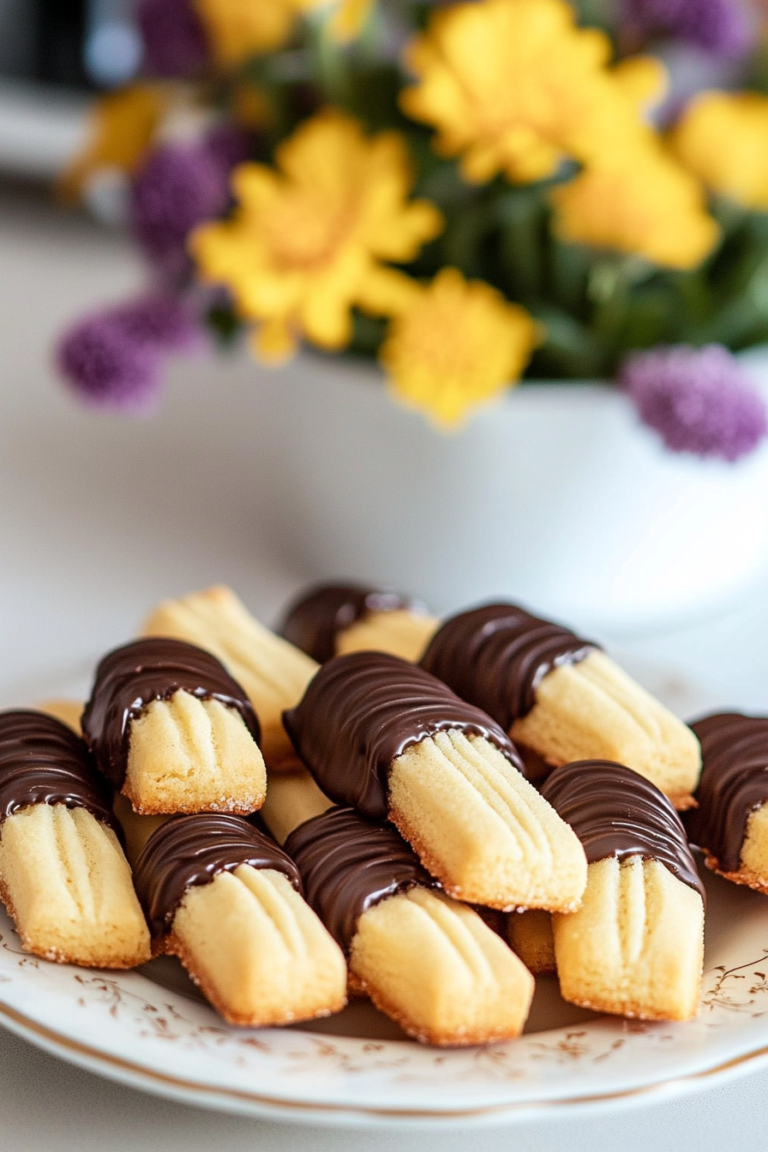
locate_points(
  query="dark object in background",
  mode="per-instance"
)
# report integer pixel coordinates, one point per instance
(59, 31)
(70, 43)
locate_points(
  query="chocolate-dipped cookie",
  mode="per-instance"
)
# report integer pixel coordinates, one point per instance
(635, 947)
(63, 875)
(227, 901)
(560, 698)
(173, 731)
(730, 824)
(330, 620)
(427, 961)
(387, 738)
(273, 672)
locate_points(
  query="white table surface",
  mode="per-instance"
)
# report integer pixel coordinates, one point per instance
(100, 517)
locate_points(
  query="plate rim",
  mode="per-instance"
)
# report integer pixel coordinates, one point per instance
(118, 1069)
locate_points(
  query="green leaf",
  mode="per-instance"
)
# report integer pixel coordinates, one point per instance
(521, 214)
(368, 332)
(462, 241)
(224, 325)
(570, 349)
(568, 275)
(648, 319)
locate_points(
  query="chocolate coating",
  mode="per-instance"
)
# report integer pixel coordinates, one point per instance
(348, 864)
(616, 812)
(191, 850)
(314, 621)
(497, 655)
(44, 762)
(734, 782)
(130, 678)
(363, 710)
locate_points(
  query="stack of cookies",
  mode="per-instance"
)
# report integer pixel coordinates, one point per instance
(374, 802)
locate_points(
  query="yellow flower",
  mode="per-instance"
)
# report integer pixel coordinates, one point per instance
(456, 345)
(647, 205)
(723, 138)
(239, 29)
(123, 124)
(513, 86)
(307, 240)
(348, 19)
(642, 80)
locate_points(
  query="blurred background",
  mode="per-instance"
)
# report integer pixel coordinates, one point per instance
(54, 54)
(199, 493)
(71, 42)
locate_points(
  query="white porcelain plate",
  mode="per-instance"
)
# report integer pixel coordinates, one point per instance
(150, 1029)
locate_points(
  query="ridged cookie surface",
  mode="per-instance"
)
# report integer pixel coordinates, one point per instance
(635, 947)
(67, 885)
(225, 899)
(191, 755)
(173, 731)
(362, 711)
(427, 961)
(482, 828)
(273, 672)
(431, 964)
(561, 698)
(63, 874)
(257, 950)
(388, 739)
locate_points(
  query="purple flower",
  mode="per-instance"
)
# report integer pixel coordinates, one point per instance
(698, 399)
(107, 368)
(174, 40)
(158, 320)
(178, 186)
(722, 27)
(227, 145)
(113, 359)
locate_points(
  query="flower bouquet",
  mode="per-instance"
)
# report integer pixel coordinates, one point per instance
(469, 192)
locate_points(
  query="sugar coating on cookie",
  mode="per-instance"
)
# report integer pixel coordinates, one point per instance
(635, 947)
(388, 739)
(730, 823)
(226, 900)
(560, 697)
(273, 672)
(172, 730)
(63, 875)
(425, 960)
(330, 620)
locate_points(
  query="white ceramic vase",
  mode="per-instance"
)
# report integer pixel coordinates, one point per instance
(556, 497)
